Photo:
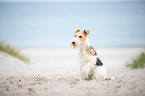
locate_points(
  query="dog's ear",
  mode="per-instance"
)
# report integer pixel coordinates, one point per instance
(78, 30)
(86, 32)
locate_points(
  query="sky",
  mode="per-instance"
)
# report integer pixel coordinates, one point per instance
(36, 24)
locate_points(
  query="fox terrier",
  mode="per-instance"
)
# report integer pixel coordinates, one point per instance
(91, 66)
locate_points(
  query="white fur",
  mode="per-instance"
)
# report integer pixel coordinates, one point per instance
(88, 69)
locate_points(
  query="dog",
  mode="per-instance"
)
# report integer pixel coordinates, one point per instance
(91, 67)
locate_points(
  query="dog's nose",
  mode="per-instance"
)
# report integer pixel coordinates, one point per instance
(73, 43)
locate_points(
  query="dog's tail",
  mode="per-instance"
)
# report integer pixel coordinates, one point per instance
(110, 78)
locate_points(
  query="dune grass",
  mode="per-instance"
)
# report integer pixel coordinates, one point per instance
(12, 51)
(138, 62)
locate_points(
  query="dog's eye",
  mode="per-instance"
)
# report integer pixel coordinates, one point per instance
(75, 36)
(80, 36)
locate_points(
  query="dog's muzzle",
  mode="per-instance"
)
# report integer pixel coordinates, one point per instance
(73, 43)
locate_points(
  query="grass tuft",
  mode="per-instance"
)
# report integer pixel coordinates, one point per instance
(12, 51)
(138, 62)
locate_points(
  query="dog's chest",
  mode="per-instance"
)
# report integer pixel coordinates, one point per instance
(84, 58)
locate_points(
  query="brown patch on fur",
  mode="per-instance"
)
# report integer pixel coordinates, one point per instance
(83, 38)
(78, 30)
(90, 52)
(86, 32)
(81, 35)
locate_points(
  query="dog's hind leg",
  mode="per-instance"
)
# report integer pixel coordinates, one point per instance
(100, 73)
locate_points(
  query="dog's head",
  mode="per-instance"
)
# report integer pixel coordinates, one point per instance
(79, 37)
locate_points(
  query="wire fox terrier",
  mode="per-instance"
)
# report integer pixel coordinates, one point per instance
(91, 66)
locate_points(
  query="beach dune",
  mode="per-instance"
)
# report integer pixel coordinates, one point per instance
(54, 72)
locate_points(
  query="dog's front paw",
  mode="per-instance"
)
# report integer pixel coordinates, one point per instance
(85, 77)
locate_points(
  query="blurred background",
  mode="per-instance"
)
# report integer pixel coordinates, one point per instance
(48, 23)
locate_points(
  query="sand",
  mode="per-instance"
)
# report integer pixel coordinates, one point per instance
(54, 72)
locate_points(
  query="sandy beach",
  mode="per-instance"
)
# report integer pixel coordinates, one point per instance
(54, 72)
